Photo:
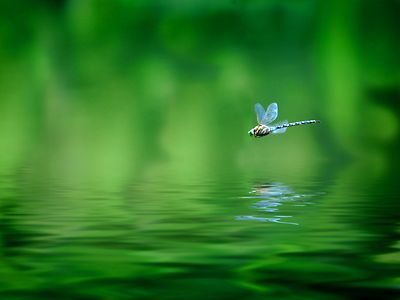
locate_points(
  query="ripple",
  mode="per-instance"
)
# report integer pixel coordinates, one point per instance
(262, 219)
(272, 198)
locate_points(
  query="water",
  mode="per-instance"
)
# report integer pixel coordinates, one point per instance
(158, 238)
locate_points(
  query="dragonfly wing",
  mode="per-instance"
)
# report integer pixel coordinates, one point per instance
(281, 130)
(271, 114)
(260, 112)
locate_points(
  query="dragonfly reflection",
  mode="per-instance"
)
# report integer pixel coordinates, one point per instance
(270, 201)
(264, 118)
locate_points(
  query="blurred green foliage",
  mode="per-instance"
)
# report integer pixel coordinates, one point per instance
(119, 89)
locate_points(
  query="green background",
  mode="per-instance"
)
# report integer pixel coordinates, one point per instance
(126, 115)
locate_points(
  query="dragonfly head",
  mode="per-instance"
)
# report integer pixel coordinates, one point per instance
(251, 132)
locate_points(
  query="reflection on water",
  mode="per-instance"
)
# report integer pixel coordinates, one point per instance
(169, 240)
(271, 199)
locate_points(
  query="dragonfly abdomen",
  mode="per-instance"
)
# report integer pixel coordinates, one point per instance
(296, 124)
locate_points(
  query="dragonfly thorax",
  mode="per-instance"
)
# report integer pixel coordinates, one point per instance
(260, 130)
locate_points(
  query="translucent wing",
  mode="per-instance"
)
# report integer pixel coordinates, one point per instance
(282, 130)
(271, 114)
(260, 112)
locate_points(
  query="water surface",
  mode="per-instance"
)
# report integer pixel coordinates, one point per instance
(217, 239)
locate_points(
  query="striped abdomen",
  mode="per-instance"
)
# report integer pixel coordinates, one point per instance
(295, 124)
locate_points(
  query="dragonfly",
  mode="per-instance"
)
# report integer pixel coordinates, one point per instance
(265, 117)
